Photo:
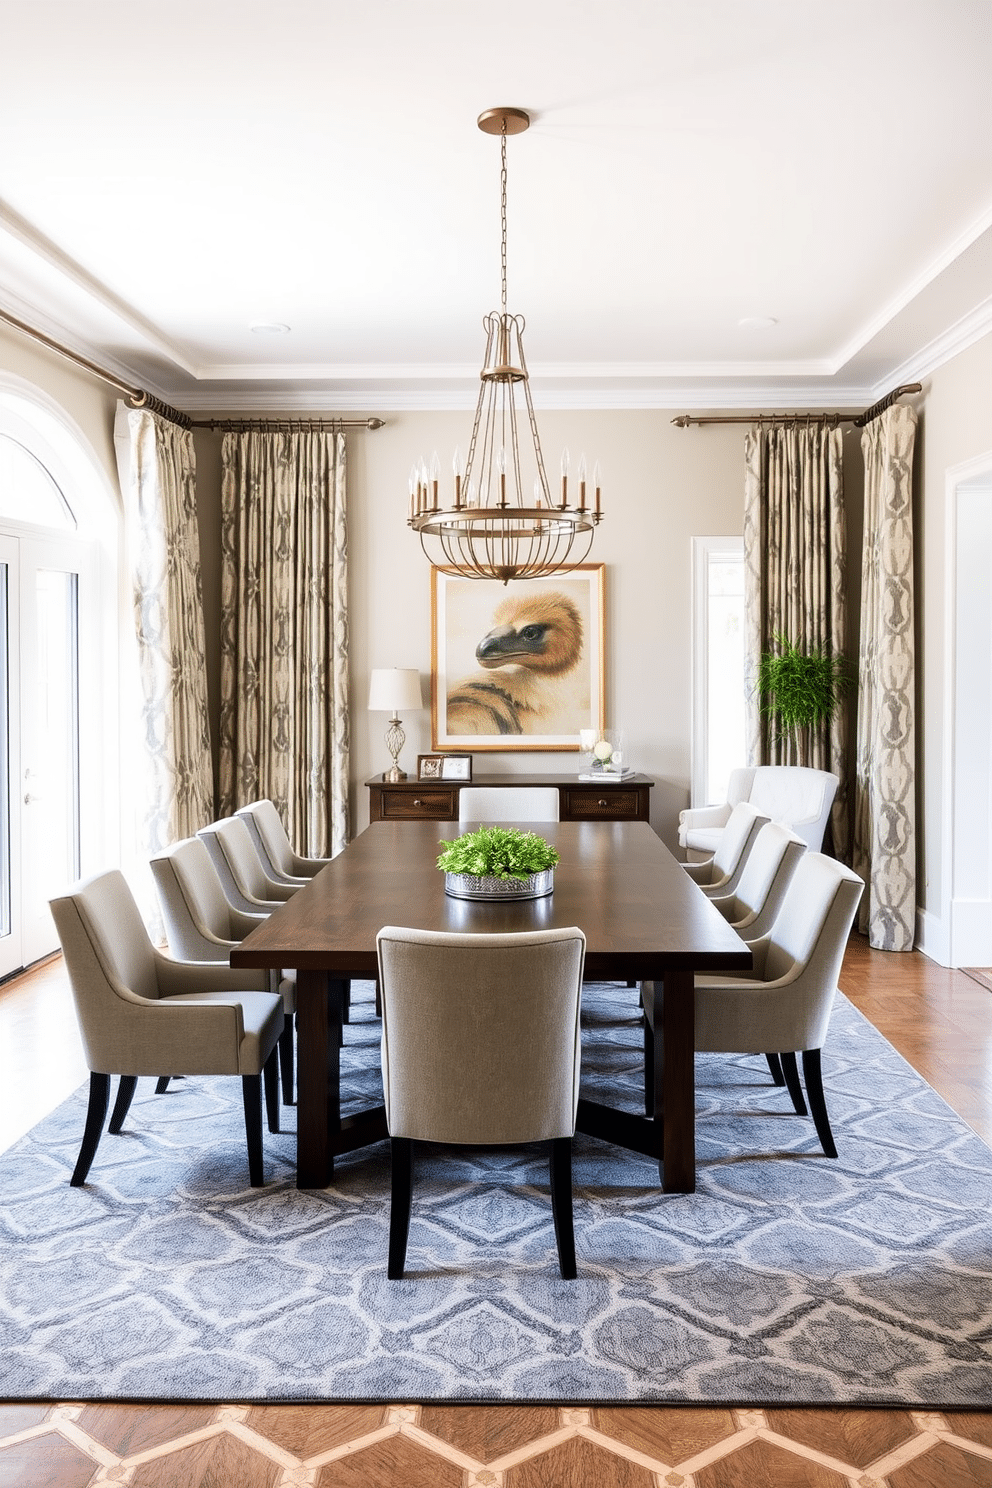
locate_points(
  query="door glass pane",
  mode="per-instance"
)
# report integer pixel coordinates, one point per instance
(724, 673)
(52, 779)
(28, 492)
(4, 755)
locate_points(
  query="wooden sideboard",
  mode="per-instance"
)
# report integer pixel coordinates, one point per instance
(578, 800)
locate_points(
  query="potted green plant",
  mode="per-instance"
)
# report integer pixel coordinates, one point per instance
(801, 689)
(498, 863)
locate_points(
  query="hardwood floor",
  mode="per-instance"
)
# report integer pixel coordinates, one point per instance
(940, 1020)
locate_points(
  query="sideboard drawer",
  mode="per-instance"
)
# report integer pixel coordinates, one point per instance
(607, 803)
(434, 803)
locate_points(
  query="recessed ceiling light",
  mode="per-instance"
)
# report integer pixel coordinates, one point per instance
(270, 328)
(757, 322)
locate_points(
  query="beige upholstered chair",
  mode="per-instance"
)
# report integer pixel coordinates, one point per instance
(490, 805)
(792, 795)
(202, 926)
(720, 875)
(756, 901)
(140, 1012)
(276, 851)
(245, 882)
(783, 1004)
(480, 1044)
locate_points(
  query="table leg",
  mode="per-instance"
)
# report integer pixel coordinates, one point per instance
(675, 1091)
(319, 1008)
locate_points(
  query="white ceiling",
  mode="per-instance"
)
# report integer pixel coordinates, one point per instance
(173, 175)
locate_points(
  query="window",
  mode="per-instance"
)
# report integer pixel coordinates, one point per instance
(28, 492)
(718, 734)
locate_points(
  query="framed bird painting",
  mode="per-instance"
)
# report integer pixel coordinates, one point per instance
(518, 666)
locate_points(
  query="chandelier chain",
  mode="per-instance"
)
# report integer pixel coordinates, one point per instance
(502, 209)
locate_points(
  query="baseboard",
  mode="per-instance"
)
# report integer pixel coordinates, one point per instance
(933, 938)
(961, 938)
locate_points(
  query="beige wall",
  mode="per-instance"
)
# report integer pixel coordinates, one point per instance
(955, 427)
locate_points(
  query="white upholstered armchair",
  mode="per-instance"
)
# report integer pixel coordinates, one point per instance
(792, 795)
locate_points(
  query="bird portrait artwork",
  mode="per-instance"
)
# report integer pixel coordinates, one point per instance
(531, 670)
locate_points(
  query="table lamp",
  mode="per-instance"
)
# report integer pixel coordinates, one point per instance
(390, 689)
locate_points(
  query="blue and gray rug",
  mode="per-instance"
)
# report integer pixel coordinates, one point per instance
(785, 1278)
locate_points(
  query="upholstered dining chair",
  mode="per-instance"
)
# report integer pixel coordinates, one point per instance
(795, 796)
(140, 1012)
(782, 1006)
(721, 874)
(201, 925)
(480, 1044)
(493, 804)
(771, 862)
(245, 882)
(279, 859)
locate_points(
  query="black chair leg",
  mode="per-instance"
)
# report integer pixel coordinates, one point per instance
(791, 1076)
(286, 1060)
(251, 1087)
(162, 1084)
(775, 1069)
(378, 999)
(270, 1081)
(346, 1003)
(648, 1067)
(400, 1200)
(813, 1076)
(125, 1095)
(96, 1115)
(561, 1204)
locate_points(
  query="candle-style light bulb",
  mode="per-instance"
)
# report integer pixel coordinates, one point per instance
(413, 491)
(564, 477)
(537, 490)
(596, 481)
(458, 466)
(501, 468)
(435, 478)
(582, 482)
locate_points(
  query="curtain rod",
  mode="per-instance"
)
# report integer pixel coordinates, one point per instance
(139, 398)
(857, 419)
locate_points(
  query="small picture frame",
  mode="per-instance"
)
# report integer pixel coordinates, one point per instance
(429, 766)
(457, 767)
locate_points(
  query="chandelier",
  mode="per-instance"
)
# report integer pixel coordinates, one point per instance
(503, 522)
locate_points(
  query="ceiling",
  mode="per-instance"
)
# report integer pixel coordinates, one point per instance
(723, 203)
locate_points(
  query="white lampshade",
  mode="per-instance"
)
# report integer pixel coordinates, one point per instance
(395, 690)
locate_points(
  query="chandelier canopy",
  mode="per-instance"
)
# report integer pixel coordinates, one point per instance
(503, 522)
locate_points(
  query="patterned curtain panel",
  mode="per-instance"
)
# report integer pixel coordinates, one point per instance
(795, 578)
(284, 730)
(885, 815)
(158, 479)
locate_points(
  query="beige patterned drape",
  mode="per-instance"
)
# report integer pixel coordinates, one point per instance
(158, 480)
(284, 730)
(795, 576)
(885, 815)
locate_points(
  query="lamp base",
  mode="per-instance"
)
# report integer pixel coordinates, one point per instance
(393, 775)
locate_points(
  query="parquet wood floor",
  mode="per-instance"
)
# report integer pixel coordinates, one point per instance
(940, 1020)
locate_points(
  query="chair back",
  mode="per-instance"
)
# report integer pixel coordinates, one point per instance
(230, 846)
(488, 805)
(480, 1034)
(797, 797)
(268, 833)
(765, 877)
(744, 824)
(199, 920)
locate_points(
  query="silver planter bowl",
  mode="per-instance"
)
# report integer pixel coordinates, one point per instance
(467, 886)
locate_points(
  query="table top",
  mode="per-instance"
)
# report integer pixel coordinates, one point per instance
(616, 880)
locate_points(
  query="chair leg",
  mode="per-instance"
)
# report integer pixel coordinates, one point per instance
(400, 1199)
(270, 1081)
(346, 1008)
(378, 999)
(286, 1060)
(813, 1076)
(775, 1069)
(125, 1095)
(561, 1204)
(251, 1087)
(791, 1076)
(648, 1068)
(96, 1114)
(162, 1084)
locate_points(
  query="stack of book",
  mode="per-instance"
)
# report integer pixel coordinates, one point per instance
(607, 777)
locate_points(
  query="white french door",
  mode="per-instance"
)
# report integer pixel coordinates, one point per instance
(44, 595)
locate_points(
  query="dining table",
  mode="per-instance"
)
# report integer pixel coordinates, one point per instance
(643, 917)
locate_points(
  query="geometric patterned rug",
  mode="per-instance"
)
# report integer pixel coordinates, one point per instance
(785, 1278)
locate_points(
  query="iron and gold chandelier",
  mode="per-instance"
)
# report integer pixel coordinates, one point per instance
(503, 522)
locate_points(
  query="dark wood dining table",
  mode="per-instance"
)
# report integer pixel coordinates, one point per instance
(643, 918)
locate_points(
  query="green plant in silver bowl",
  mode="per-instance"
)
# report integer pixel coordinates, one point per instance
(498, 852)
(801, 689)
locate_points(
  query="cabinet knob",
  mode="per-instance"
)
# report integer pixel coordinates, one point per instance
(601, 803)
(417, 802)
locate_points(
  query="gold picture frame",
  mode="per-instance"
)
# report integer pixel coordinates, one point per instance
(519, 666)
